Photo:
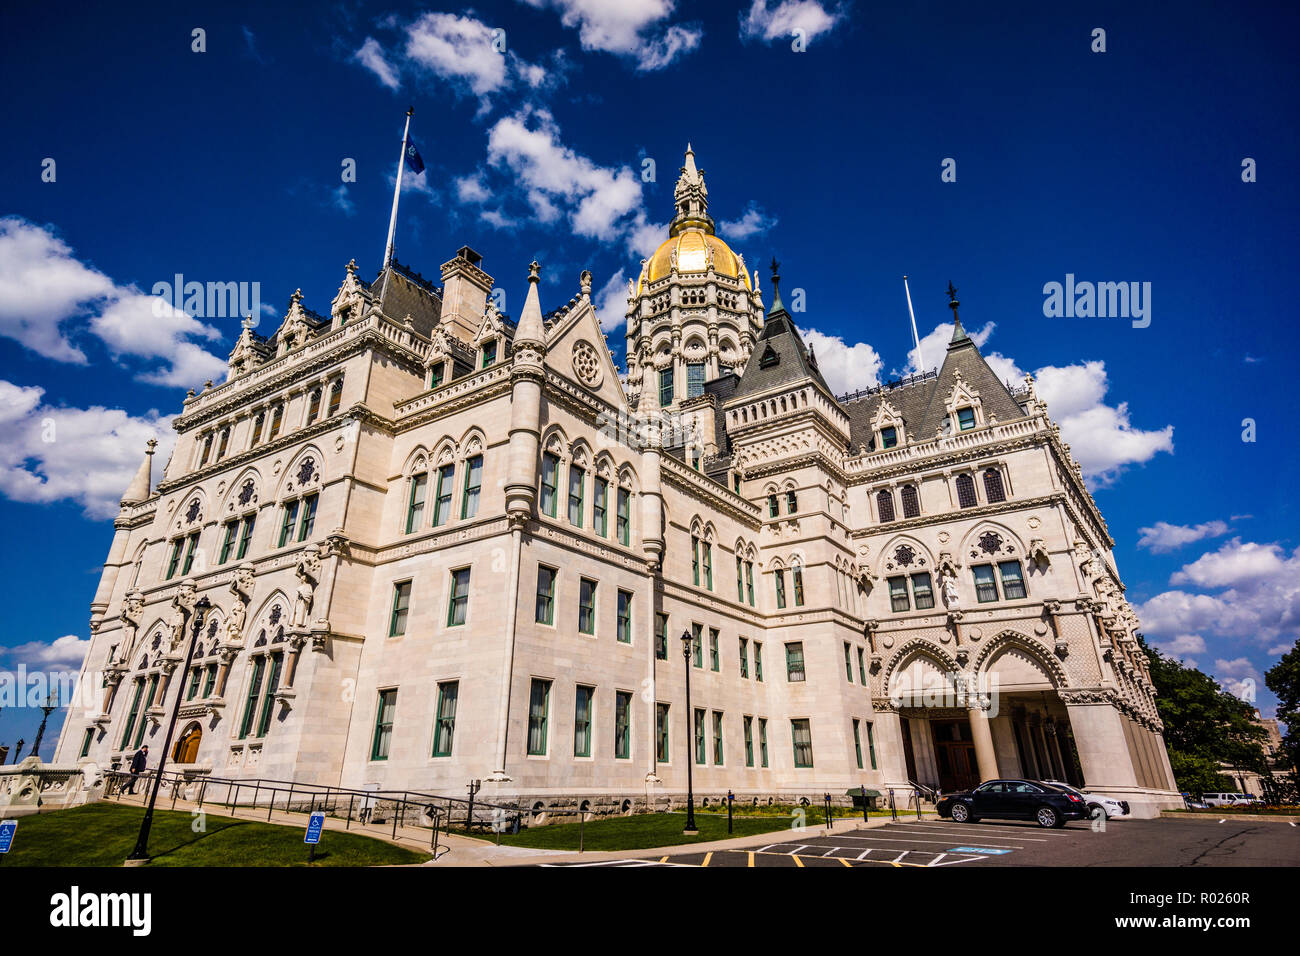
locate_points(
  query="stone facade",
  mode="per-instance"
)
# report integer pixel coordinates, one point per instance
(441, 545)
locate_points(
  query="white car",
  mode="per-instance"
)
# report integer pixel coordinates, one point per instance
(1109, 805)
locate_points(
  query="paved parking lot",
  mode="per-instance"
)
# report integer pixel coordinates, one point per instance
(935, 843)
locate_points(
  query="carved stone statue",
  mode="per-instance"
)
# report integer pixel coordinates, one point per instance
(948, 588)
(308, 571)
(241, 586)
(132, 611)
(182, 608)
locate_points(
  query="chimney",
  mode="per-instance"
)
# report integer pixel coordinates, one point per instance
(465, 289)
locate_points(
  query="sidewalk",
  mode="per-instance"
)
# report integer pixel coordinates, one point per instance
(456, 850)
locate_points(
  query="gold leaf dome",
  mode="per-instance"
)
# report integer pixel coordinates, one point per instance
(692, 247)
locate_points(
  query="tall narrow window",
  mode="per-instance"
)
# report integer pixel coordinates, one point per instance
(545, 595)
(665, 387)
(898, 600)
(224, 443)
(624, 519)
(661, 733)
(459, 601)
(258, 423)
(697, 644)
(436, 373)
(740, 579)
(744, 657)
(401, 604)
(539, 705)
(857, 741)
(794, 670)
(149, 691)
(773, 507)
(758, 662)
(885, 505)
(582, 721)
(250, 700)
(797, 576)
(779, 576)
(415, 502)
(207, 450)
(277, 419)
(717, 739)
(308, 520)
(209, 680)
(313, 409)
(336, 397)
(848, 661)
(701, 755)
(922, 591)
(966, 491)
(587, 606)
(791, 502)
(1013, 582)
(193, 687)
(661, 637)
(986, 588)
(287, 524)
(708, 566)
(576, 477)
(911, 503)
(245, 536)
(993, 490)
(694, 379)
(695, 560)
(749, 740)
(444, 728)
(550, 480)
(715, 663)
(862, 667)
(191, 546)
(749, 582)
(442, 503)
(624, 630)
(801, 737)
(871, 743)
(228, 541)
(473, 482)
(622, 725)
(131, 715)
(384, 714)
(489, 353)
(600, 506)
(268, 699)
(762, 740)
(87, 739)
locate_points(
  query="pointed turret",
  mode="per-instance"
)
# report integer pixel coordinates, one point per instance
(691, 198)
(138, 490)
(959, 336)
(531, 327)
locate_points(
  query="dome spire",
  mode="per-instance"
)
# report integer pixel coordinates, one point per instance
(691, 199)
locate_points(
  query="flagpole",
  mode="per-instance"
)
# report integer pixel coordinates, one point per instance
(397, 192)
(920, 362)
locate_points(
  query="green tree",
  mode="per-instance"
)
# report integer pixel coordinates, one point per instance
(1283, 679)
(1207, 730)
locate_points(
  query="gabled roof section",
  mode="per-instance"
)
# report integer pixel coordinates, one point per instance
(401, 292)
(780, 357)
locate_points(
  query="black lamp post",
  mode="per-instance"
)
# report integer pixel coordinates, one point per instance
(690, 739)
(140, 854)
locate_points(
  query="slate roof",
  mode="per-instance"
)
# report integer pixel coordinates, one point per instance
(779, 357)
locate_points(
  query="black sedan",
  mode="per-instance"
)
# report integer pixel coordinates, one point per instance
(1014, 800)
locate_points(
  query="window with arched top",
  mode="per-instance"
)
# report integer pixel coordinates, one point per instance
(993, 489)
(313, 409)
(336, 397)
(966, 491)
(885, 506)
(911, 502)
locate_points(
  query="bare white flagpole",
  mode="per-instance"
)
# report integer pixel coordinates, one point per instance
(920, 362)
(397, 192)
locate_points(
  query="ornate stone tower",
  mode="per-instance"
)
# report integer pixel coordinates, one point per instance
(693, 313)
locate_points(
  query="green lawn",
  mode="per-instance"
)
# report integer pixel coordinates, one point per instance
(647, 830)
(104, 834)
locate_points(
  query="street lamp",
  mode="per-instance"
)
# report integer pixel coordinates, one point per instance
(140, 855)
(690, 734)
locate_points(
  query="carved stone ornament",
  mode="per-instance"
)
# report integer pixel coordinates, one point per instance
(308, 572)
(132, 611)
(587, 365)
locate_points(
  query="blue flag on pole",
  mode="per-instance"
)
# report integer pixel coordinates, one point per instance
(413, 158)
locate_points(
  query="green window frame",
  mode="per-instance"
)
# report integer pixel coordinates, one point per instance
(550, 483)
(401, 608)
(857, 741)
(135, 709)
(623, 516)
(848, 661)
(458, 603)
(545, 595)
(871, 743)
(174, 561)
(622, 725)
(489, 353)
(600, 506)
(758, 662)
(695, 560)
(624, 630)
(762, 740)
(697, 644)
(715, 663)
(444, 728)
(749, 582)
(922, 591)
(539, 705)
(796, 574)
(898, 599)
(268, 696)
(862, 666)
(665, 387)
(415, 501)
(191, 545)
(701, 753)
(582, 705)
(193, 687)
(586, 606)
(287, 522)
(773, 507)
(1013, 581)
(307, 522)
(86, 740)
(473, 485)
(245, 536)
(577, 478)
(744, 657)
(794, 662)
(228, 542)
(749, 740)
(965, 418)
(888, 437)
(779, 576)
(442, 500)
(694, 379)
(986, 588)
(801, 741)
(210, 680)
(149, 692)
(708, 566)
(661, 637)
(251, 698)
(662, 751)
(740, 580)
(718, 751)
(384, 714)
(436, 371)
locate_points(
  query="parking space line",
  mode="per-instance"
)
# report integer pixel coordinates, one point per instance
(707, 857)
(1048, 834)
(912, 840)
(845, 862)
(797, 861)
(751, 857)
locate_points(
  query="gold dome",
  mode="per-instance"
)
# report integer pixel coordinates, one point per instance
(692, 246)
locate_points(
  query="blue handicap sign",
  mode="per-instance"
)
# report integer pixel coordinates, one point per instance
(314, 827)
(977, 849)
(7, 828)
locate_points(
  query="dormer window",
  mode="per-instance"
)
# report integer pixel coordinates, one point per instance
(436, 373)
(769, 358)
(966, 418)
(489, 353)
(888, 437)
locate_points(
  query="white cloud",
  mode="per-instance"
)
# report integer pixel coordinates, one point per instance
(470, 189)
(1163, 537)
(611, 302)
(85, 455)
(64, 653)
(42, 286)
(1183, 644)
(459, 50)
(807, 17)
(845, 367)
(627, 28)
(1235, 564)
(371, 56)
(754, 222)
(1238, 677)
(934, 347)
(339, 200)
(644, 236)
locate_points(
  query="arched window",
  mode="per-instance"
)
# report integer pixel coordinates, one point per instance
(314, 408)
(791, 502)
(336, 397)
(966, 492)
(993, 489)
(885, 505)
(911, 504)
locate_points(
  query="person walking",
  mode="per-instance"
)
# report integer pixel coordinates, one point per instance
(137, 766)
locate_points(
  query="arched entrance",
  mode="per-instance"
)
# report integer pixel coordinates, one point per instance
(187, 747)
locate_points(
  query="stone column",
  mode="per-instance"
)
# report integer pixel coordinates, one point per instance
(1100, 740)
(985, 755)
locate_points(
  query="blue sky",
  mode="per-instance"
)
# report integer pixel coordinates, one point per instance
(1123, 165)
